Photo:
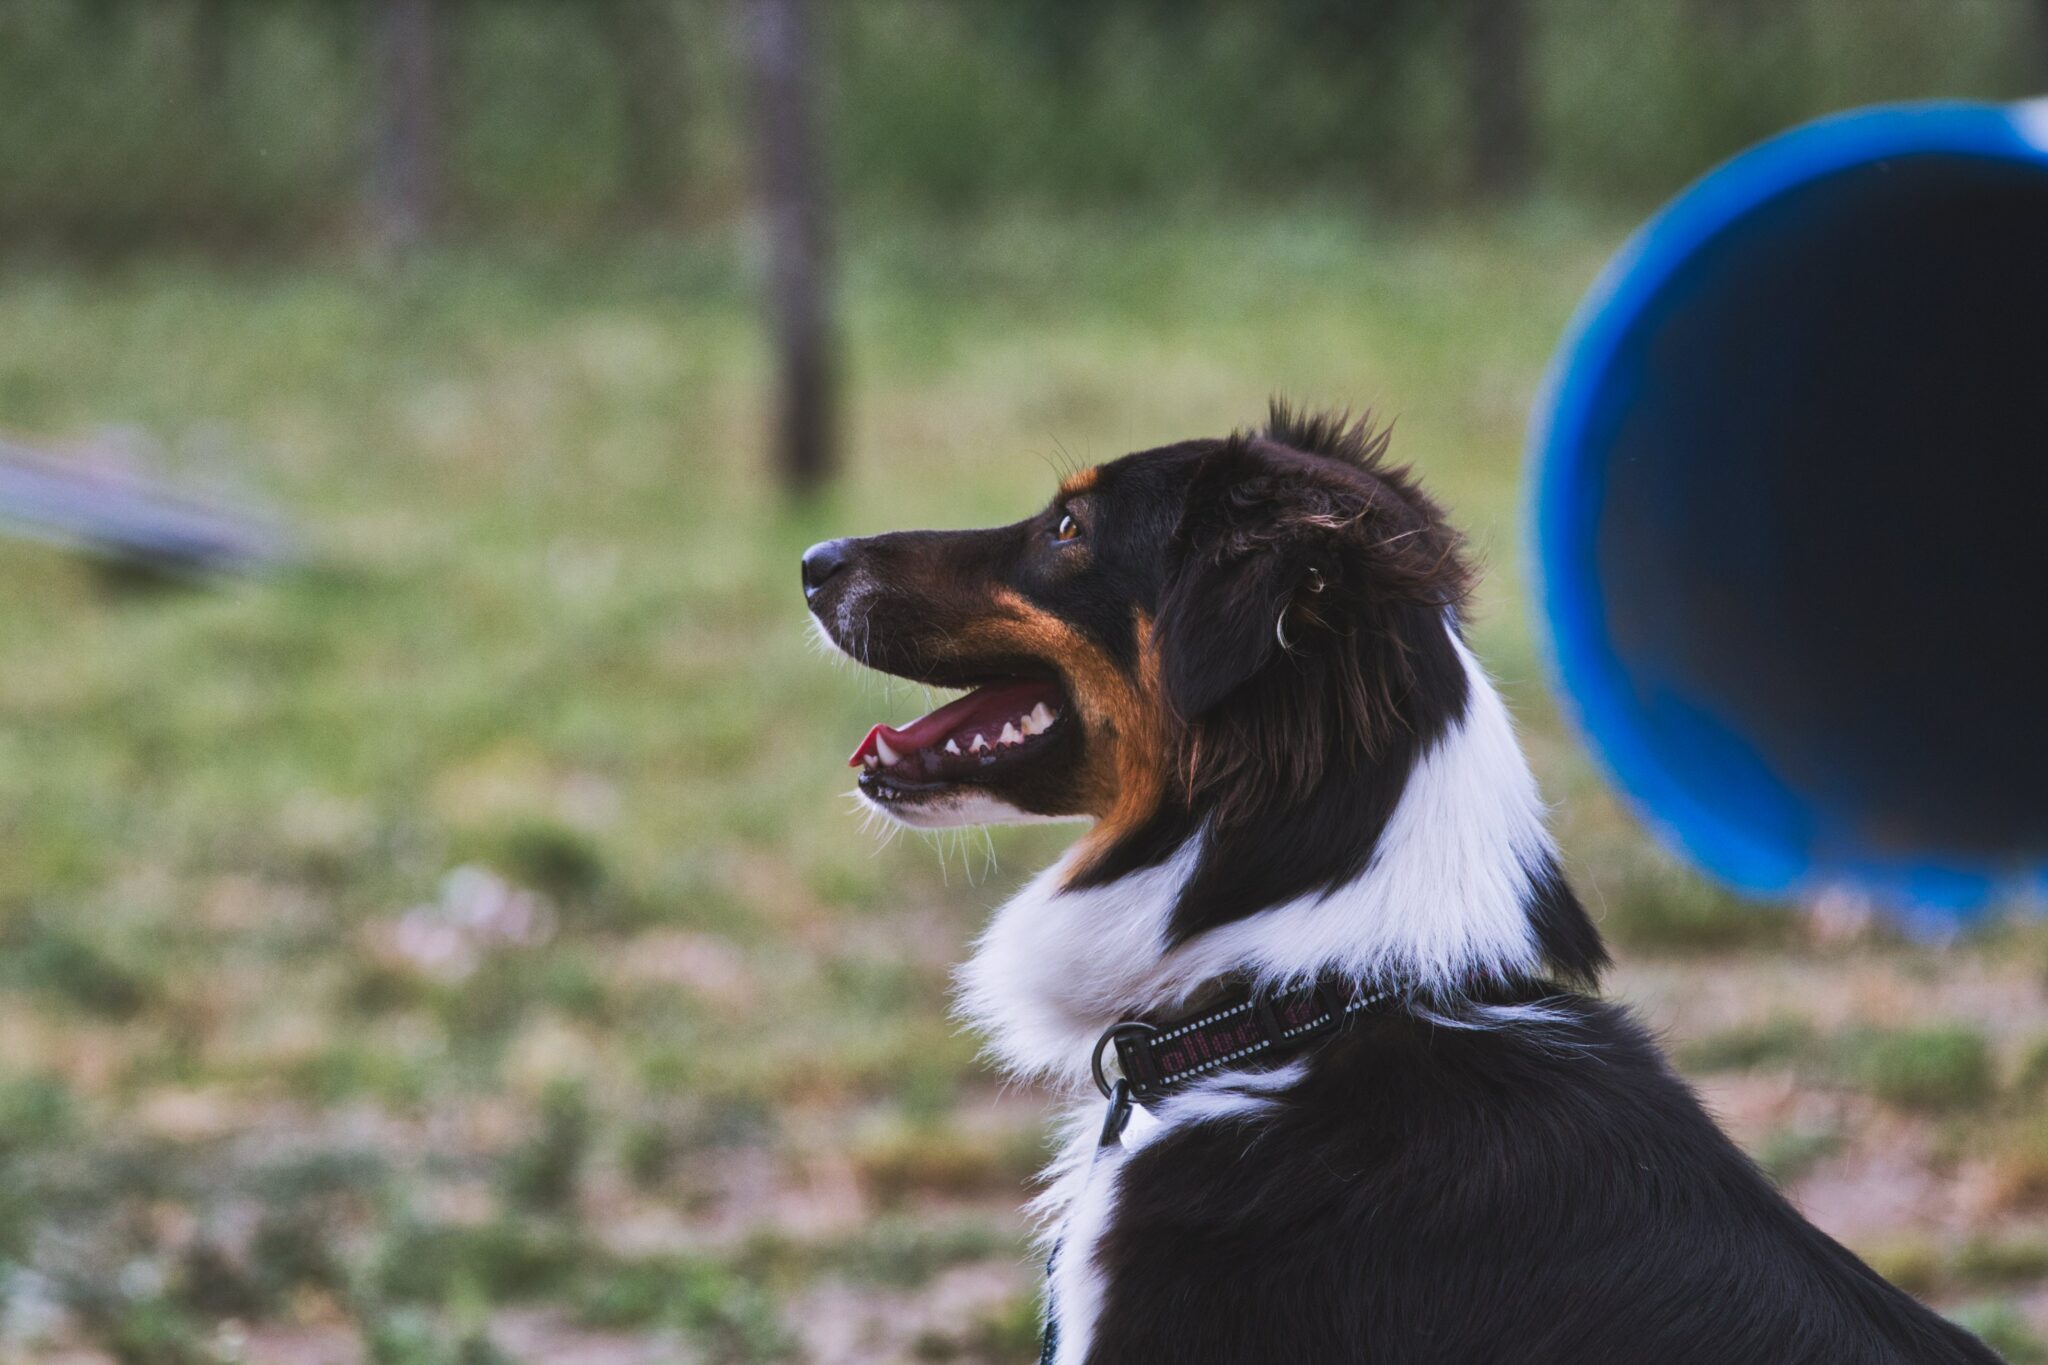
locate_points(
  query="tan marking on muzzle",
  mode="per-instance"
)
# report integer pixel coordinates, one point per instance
(1124, 765)
(1141, 754)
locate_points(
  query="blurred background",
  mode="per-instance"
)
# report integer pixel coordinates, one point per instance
(432, 926)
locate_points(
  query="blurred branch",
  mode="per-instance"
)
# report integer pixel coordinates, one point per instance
(792, 190)
(406, 156)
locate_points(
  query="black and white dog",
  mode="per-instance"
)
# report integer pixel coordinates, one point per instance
(1319, 927)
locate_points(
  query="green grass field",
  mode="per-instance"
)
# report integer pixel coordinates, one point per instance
(460, 948)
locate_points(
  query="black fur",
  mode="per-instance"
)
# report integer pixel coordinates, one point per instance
(1297, 754)
(1300, 753)
(1528, 1195)
(1571, 945)
(1501, 1171)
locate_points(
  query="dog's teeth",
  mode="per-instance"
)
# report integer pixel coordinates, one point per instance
(952, 746)
(979, 743)
(871, 761)
(1009, 734)
(888, 754)
(1040, 718)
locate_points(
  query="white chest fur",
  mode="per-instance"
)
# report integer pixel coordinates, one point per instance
(1444, 899)
(1080, 1204)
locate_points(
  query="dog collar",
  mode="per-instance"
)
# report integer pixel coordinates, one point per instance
(1156, 1059)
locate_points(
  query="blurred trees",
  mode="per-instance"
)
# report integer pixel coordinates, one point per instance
(130, 122)
(287, 124)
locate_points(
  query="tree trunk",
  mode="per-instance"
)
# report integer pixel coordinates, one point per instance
(210, 203)
(405, 157)
(1498, 97)
(792, 193)
(647, 54)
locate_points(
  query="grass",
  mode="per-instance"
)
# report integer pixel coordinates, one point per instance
(2033, 1070)
(1790, 1153)
(1778, 1041)
(1937, 1069)
(2002, 1263)
(2005, 1330)
(471, 920)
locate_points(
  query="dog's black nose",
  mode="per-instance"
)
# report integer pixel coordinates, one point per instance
(821, 561)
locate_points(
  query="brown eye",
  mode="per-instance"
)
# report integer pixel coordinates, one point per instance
(1068, 529)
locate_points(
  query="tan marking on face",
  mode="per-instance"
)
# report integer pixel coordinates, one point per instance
(1123, 771)
(1075, 484)
(1140, 755)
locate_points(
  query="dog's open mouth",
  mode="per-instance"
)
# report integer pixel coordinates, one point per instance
(993, 726)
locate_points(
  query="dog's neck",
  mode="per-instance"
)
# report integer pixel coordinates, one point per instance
(1462, 890)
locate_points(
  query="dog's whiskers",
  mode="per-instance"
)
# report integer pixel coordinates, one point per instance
(989, 867)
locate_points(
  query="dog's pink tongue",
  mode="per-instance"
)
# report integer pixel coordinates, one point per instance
(985, 706)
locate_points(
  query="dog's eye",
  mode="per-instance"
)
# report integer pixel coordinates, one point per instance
(1068, 529)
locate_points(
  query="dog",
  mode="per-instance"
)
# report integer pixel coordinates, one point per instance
(1361, 1103)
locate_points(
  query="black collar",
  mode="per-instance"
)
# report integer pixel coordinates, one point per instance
(1156, 1059)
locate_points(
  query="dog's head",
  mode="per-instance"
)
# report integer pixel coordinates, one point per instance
(1212, 631)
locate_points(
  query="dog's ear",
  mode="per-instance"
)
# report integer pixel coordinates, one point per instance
(1234, 571)
(1289, 557)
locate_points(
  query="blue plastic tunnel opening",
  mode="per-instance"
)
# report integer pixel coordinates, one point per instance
(1793, 511)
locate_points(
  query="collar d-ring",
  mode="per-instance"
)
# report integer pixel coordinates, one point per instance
(1129, 1028)
(1315, 582)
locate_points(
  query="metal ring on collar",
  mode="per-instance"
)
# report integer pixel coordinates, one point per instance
(1128, 1027)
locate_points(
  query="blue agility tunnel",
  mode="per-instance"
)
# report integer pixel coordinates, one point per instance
(1790, 503)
